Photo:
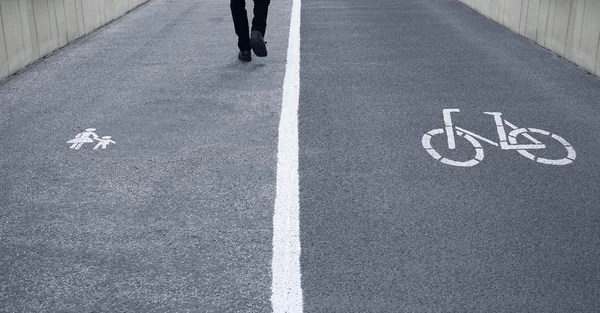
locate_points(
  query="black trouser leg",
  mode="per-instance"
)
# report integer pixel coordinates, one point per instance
(259, 22)
(240, 22)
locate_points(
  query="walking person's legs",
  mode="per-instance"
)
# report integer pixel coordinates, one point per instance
(259, 26)
(261, 9)
(240, 22)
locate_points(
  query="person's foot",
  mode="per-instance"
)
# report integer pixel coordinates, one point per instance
(245, 56)
(257, 43)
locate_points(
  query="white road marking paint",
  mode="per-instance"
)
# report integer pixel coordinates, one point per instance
(478, 149)
(286, 289)
(571, 154)
(474, 135)
(89, 136)
(506, 142)
(535, 141)
(103, 142)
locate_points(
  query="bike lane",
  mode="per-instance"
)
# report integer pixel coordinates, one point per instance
(385, 227)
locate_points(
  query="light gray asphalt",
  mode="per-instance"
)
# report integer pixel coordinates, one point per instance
(385, 227)
(177, 215)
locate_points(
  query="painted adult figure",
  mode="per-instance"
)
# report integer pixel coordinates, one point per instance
(253, 38)
(82, 138)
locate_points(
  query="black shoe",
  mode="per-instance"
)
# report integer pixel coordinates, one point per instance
(245, 56)
(257, 43)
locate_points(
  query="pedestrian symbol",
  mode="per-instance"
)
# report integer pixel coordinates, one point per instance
(89, 136)
(105, 141)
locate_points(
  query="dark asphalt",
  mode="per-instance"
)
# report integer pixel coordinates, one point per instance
(177, 215)
(385, 227)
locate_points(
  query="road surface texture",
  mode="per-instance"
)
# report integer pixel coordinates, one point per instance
(177, 214)
(387, 228)
(174, 217)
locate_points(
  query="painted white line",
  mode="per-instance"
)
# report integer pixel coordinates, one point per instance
(286, 296)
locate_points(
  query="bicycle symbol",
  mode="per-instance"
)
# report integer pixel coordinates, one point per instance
(506, 142)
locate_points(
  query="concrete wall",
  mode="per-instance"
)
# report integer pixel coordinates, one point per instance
(570, 28)
(31, 29)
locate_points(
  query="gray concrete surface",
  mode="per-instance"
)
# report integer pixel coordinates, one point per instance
(385, 227)
(177, 215)
(570, 28)
(3, 55)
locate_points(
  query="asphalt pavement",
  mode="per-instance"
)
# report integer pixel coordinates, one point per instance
(175, 214)
(388, 228)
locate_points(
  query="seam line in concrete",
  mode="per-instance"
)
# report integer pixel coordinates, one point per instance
(5, 45)
(37, 38)
(537, 21)
(596, 65)
(66, 23)
(526, 14)
(83, 19)
(565, 53)
(55, 22)
(582, 23)
(27, 61)
(76, 18)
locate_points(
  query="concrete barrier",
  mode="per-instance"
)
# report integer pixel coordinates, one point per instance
(570, 28)
(533, 10)
(31, 29)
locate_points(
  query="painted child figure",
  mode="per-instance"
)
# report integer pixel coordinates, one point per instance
(103, 142)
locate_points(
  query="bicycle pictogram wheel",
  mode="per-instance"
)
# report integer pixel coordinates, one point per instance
(568, 159)
(472, 162)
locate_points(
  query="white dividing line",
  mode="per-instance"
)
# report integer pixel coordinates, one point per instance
(286, 296)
